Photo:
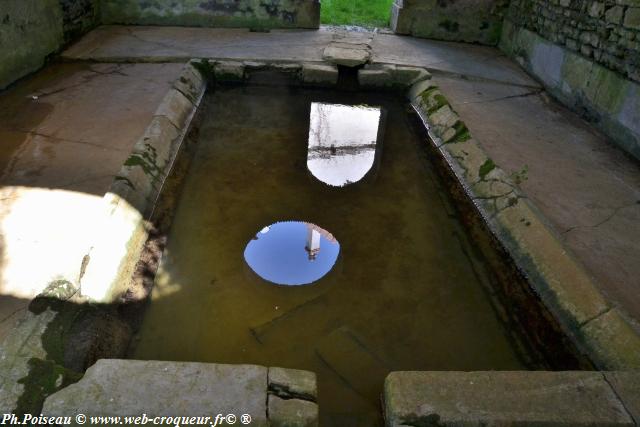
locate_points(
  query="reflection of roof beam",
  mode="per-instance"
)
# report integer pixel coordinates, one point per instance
(340, 150)
(322, 231)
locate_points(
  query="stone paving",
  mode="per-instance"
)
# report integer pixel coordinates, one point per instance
(65, 132)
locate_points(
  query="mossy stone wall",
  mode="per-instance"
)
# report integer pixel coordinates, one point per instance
(607, 98)
(31, 30)
(604, 31)
(474, 21)
(257, 14)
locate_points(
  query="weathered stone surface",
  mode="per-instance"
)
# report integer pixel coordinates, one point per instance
(347, 55)
(381, 76)
(292, 412)
(133, 387)
(599, 30)
(612, 342)
(293, 383)
(320, 74)
(626, 384)
(176, 107)
(389, 75)
(213, 13)
(24, 343)
(419, 88)
(444, 116)
(190, 83)
(501, 398)
(593, 87)
(29, 31)
(476, 21)
(229, 70)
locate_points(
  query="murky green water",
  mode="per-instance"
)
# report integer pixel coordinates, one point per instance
(403, 294)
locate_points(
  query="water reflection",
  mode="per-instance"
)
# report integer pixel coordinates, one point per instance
(342, 142)
(292, 253)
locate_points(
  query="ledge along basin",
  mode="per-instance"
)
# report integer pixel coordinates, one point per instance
(409, 290)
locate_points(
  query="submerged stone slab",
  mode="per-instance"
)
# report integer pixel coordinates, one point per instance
(134, 387)
(502, 398)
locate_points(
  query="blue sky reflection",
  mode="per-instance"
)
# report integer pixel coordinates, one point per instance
(292, 253)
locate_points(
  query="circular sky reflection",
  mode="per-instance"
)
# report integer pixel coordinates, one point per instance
(292, 253)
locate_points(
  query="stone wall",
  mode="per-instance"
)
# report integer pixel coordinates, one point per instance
(606, 31)
(257, 14)
(586, 54)
(79, 16)
(474, 21)
(31, 30)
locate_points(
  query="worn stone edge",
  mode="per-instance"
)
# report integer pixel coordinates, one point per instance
(135, 189)
(608, 338)
(394, 419)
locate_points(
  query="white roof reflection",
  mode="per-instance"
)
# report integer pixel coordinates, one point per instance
(342, 142)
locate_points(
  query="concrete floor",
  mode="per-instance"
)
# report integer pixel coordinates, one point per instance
(588, 190)
(65, 133)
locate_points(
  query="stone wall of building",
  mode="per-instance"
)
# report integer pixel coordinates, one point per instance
(257, 14)
(32, 30)
(606, 31)
(586, 53)
(474, 21)
(79, 16)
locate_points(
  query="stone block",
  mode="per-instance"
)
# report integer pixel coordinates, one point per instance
(321, 74)
(190, 83)
(229, 71)
(614, 14)
(293, 383)
(632, 18)
(612, 342)
(444, 117)
(379, 76)
(292, 412)
(501, 398)
(419, 88)
(627, 386)
(176, 107)
(346, 54)
(155, 388)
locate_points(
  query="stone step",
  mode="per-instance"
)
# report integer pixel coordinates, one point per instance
(114, 387)
(512, 398)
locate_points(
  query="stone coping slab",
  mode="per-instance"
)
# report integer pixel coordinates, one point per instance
(598, 330)
(114, 387)
(509, 398)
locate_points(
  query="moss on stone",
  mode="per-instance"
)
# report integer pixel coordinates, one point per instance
(462, 132)
(45, 378)
(486, 168)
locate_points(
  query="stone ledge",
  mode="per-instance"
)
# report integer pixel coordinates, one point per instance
(555, 276)
(133, 193)
(121, 387)
(505, 399)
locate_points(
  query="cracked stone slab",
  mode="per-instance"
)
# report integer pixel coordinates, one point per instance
(292, 412)
(122, 387)
(347, 55)
(502, 398)
(293, 383)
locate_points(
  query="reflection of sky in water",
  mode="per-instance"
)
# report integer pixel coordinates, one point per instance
(342, 142)
(292, 253)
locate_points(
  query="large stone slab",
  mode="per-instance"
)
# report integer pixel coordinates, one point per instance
(346, 54)
(155, 388)
(502, 398)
